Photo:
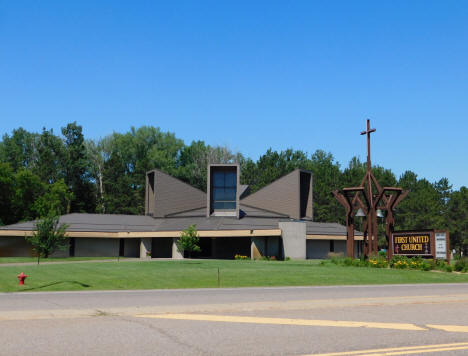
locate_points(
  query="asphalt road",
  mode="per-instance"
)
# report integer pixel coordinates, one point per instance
(352, 320)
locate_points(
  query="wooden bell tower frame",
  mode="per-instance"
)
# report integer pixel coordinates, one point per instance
(370, 196)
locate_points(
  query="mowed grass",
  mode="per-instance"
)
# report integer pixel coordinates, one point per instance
(6, 260)
(204, 274)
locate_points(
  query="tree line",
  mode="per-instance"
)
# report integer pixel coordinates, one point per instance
(46, 173)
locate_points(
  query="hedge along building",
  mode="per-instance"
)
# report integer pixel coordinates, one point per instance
(274, 221)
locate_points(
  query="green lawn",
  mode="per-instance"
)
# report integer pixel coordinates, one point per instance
(204, 274)
(4, 260)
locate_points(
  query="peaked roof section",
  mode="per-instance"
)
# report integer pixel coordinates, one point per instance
(96, 222)
(79, 222)
(281, 196)
(244, 190)
(171, 195)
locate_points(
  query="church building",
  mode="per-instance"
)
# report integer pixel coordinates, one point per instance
(277, 220)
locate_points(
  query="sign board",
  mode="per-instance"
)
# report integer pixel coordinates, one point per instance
(413, 243)
(441, 244)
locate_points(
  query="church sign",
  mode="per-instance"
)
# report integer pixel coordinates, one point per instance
(442, 246)
(414, 243)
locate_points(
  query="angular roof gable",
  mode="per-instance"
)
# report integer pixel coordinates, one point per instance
(282, 196)
(171, 195)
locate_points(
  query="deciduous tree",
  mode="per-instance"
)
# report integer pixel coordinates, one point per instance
(48, 236)
(189, 241)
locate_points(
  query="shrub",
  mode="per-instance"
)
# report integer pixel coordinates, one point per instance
(378, 262)
(189, 240)
(287, 258)
(448, 268)
(461, 264)
(357, 262)
(419, 263)
(336, 258)
(240, 257)
(363, 262)
(426, 266)
(400, 262)
(332, 255)
(439, 264)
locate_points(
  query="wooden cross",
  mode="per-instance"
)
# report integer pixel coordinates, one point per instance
(368, 132)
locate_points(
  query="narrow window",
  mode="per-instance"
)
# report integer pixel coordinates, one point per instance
(224, 190)
(332, 246)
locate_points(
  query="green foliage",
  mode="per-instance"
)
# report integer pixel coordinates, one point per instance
(419, 263)
(461, 264)
(28, 188)
(271, 166)
(189, 241)
(425, 205)
(48, 236)
(55, 200)
(326, 178)
(400, 262)
(19, 149)
(6, 193)
(241, 257)
(194, 159)
(76, 173)
(127, 159)
(457, 216)
(42, 171)
(50, 152)
(378, 262)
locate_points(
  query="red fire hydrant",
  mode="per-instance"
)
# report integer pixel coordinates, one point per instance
(21, 278)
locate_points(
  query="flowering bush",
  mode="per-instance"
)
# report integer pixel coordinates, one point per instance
(240, 257)
(378, 262)
(403, 262)
(399, 262)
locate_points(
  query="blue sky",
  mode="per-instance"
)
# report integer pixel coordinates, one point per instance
(248, 74)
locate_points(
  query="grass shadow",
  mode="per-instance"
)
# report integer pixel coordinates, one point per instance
(84, 285)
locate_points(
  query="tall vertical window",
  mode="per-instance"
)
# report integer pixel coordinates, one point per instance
(224, 190)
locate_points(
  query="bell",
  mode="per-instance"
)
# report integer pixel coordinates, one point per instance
(360, 213)
(380, 213)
